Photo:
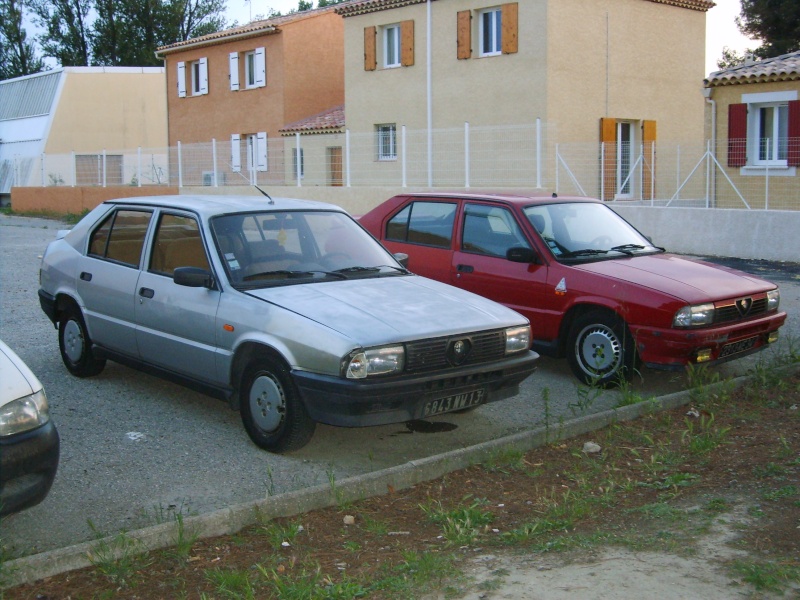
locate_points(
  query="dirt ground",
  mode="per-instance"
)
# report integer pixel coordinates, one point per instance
(702, 502)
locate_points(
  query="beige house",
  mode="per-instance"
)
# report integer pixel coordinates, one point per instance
(754, 124)
(240, 86)
(623, 72)
(60, 127)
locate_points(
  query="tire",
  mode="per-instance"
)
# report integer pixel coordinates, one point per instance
(600, 349)
(76, 346)
(272, 412)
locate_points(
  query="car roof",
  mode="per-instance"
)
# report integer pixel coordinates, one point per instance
(210, 205)
(517, 199)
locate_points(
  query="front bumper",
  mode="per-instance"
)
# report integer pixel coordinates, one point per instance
(675, 348)
(367, 402)
(28, 464)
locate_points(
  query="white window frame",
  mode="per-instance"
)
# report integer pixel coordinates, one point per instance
(495, 43)
(391, 46)
(302, 163)
(199, 74)
(250, 69)
(386, 141)
(756, 104)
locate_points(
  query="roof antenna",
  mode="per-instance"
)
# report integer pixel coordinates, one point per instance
(271, 201)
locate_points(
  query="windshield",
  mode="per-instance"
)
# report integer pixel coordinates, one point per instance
(290, 247)
(585, 230)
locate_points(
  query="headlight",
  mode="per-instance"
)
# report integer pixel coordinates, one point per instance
(773, 299)
(694, 316)
(376, 361)
(24, 414)
(518, 339)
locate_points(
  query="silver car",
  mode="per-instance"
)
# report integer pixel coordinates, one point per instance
(288, 309)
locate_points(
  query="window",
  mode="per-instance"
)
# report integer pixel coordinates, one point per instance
(490, 32)
(387, 141)
(391, 46)
(121, 237)
(197, 77)
(764, 131)
(255, 69)
(490, 230)
(257, 151)
(426, 223)
(302, 164)
(177, 244)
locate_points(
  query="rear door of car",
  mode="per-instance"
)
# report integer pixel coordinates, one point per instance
(176, 323)
(107, 277)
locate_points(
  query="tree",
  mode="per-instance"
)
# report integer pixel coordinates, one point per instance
(66, 30)
(17, 54)
(730, 58)
(776, 23)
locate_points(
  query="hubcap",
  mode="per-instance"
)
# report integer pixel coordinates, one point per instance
(73, 341)
(599, 350)
(267, 403)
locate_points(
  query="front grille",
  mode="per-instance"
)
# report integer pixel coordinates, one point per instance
(430, 355)
(736, 310)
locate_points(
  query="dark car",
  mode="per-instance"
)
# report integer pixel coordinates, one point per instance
(29, 442)
(593, 287)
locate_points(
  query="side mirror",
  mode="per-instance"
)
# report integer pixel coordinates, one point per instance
(518, 254)
(193, 277)
(402, 258)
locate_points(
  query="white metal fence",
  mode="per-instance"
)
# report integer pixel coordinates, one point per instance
(523, 157)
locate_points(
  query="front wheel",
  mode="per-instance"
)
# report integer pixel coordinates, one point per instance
(272, 412)
(600, 349)
(76, 346)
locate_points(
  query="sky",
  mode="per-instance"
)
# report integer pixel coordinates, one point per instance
(721, 29)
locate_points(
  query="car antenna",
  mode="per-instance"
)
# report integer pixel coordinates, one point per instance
(271, 201)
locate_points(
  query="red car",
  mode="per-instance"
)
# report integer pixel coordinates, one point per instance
(594, 289)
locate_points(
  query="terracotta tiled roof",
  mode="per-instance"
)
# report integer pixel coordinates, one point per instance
(779, 68)
(256, 28)
(360, 7)
(328, 121)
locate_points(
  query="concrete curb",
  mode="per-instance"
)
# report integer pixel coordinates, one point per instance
(235, 518)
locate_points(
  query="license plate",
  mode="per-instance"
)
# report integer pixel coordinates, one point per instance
(736, 347)
(454, 402)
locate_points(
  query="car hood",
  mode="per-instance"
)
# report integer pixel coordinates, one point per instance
(687, 279)
(391, 309)
(16, 379)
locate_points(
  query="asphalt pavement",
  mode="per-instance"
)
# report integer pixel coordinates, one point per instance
(135, 449)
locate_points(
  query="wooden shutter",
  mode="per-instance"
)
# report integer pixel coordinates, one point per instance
(261, 67)
(509, 17)
(181, 80)
(793, 146)
(204, 75)
(236, 153)
(608, 139)
(370, 54)
(464, 34)
(737, 135)
(407, 43)
(649, 158)
(261, 151)
(233, 66)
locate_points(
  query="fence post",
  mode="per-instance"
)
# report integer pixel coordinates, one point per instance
(708, 172)
(347, 155)
(403, 163)
(678, 173)
(139, 166)
(466, 154)
(766, 190)
(214, 159)
(180, 167)
(104, 167)
(603, 171)
(41, 171)
(74, 170)
(539, 153)
(652, 174)
(298, 161)
(558, 162)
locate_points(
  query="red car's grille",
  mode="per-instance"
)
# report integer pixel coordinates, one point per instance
(428, 355)
(740, 309)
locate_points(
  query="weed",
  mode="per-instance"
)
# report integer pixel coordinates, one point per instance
(118, 558)
(231, 583)
(707, 387)
(773, 577)
(351, 546)
(660, 510)
(586, 398)
(270, 483)
(701, 436)
(770, 471)
(505, 460)
(278, 533)
(786, 491)
(183, 540)
(460, 525)
(375, 527)
(717, 505)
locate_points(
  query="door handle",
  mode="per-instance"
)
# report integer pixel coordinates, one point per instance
(146, 292)
(465, 268)
(86, 276)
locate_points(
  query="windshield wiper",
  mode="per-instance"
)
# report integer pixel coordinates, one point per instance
(628, 248)
(290, 274)
(360, 269)
(584, 252)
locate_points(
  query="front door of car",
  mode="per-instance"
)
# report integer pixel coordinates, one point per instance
(486, 233)
(107, 278)
(175, 323)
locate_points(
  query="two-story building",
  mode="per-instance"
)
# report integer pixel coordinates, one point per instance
(240, 86)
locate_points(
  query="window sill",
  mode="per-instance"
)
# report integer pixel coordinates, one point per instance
(761, 171)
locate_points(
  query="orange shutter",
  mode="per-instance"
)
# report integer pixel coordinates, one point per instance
(464, 28)
(649, 150)
(608, 178)
(510, 22)
(407, 43)
(370, 55)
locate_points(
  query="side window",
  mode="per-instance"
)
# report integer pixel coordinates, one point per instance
(177, 244)
(386, 141)
(426, 223)
(391, 46)
(490, 230)
(120, 237)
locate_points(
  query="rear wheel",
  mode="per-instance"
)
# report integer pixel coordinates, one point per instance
(272, 412)
(600, 349)
(76, 346)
